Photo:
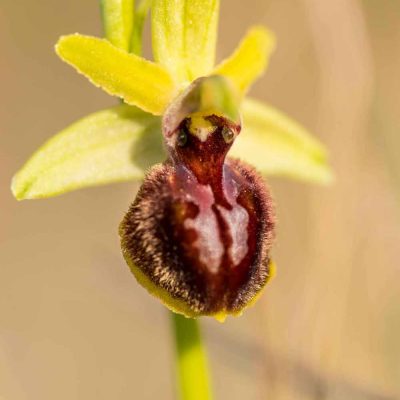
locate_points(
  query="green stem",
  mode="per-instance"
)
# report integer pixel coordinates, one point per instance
(191, 363)
(137, 32)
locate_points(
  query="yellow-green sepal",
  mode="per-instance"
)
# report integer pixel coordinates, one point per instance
(277, 145)
(113, 145)
(184, 36)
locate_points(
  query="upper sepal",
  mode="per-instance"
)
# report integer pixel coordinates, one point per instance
(184, 36)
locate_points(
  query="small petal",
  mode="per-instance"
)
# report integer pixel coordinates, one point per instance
(138, 81)
(249, 60)
(276, 145)
(118, 18)
(113, 145)
(184, 36)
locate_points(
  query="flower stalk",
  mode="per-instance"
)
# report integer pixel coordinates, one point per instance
(191, 359)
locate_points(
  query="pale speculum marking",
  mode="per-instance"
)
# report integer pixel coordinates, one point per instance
(205, 224)
(237, 219)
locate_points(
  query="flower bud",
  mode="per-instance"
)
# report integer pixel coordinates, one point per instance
(199, 232)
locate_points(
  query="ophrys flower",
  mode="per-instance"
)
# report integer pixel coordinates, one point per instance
(120, 143)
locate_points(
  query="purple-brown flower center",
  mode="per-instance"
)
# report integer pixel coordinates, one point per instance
(202, 224)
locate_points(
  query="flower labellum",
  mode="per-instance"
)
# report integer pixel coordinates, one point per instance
(199, 232)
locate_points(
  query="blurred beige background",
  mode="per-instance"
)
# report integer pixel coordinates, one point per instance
(73, 322)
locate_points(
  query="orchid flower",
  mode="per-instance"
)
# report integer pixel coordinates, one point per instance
(184, 237)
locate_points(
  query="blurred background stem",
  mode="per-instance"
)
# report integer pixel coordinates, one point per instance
(191, 360)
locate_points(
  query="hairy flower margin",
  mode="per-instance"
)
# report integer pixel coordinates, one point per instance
(121, 143)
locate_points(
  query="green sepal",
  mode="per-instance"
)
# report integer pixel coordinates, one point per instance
(184, 36)
(114, 145)
(277, 145)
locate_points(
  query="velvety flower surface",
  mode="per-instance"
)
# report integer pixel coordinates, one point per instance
(199, 232)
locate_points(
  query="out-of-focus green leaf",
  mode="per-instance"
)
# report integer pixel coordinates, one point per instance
(118, 19)
(250, 58)
(184, 36)
(276, 145)
(113, 145)
(138, 81)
